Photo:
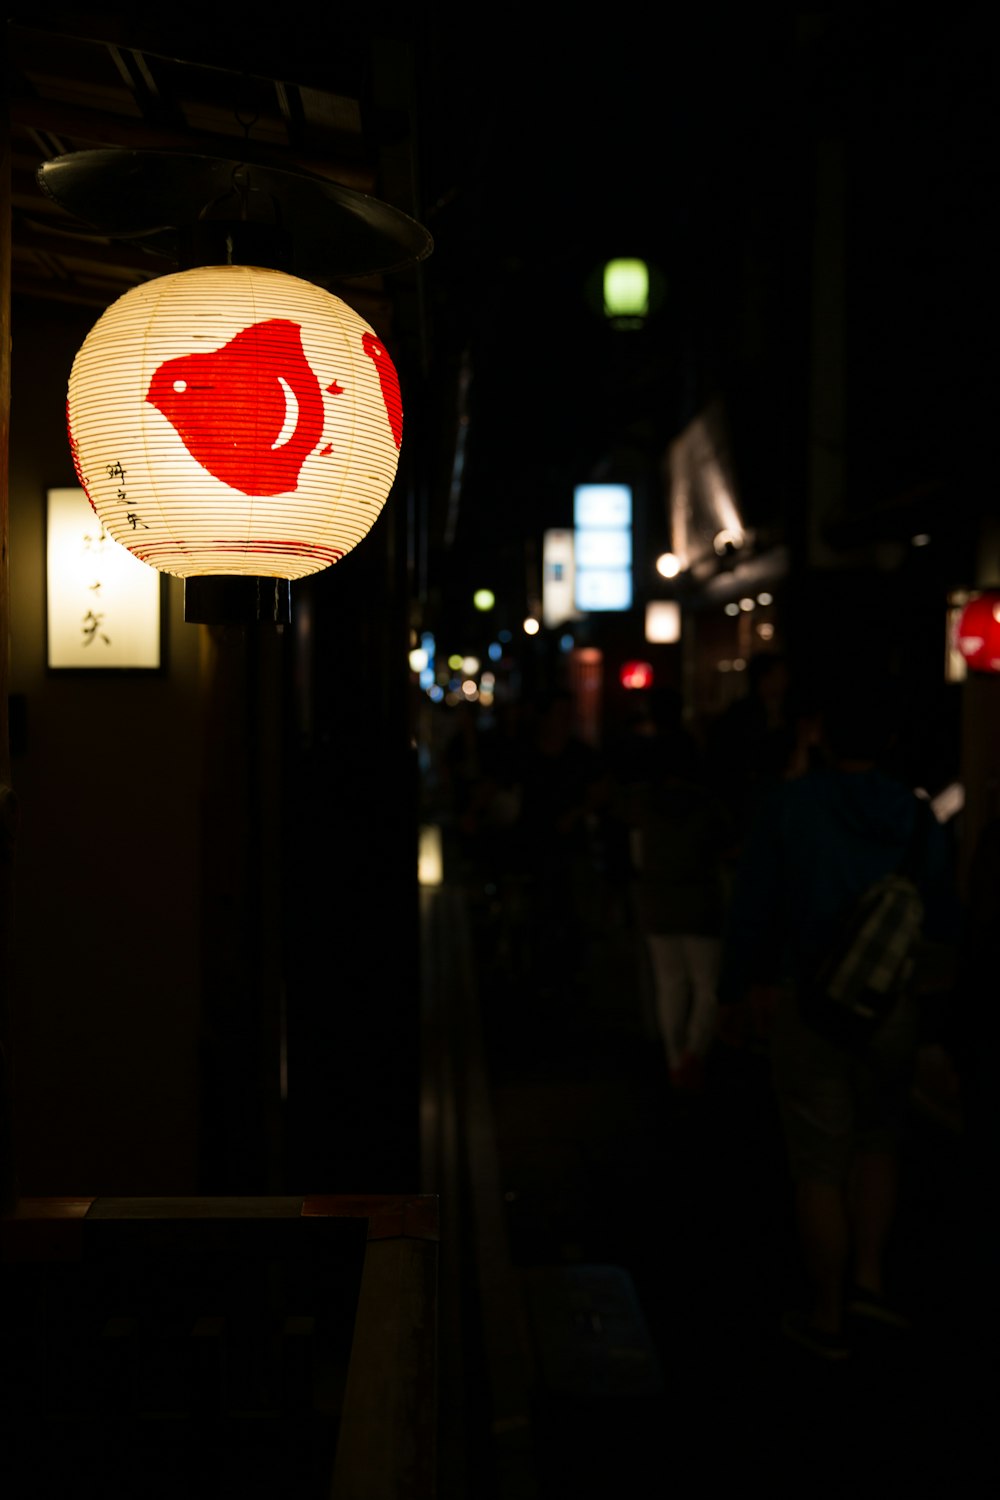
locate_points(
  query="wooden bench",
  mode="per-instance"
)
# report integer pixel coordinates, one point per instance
(193, 1346)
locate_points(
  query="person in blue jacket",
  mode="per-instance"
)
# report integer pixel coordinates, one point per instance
(815, 843)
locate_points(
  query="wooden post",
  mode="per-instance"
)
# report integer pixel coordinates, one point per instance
(8, 807)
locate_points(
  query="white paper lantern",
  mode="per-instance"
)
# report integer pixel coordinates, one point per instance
(234, 420)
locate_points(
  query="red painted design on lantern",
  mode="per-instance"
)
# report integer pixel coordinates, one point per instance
(389, 383)
(251, 412)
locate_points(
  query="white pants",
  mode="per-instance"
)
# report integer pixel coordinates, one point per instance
(685, 974)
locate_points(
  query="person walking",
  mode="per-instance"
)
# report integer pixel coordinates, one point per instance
(816, 842)
(681, 833)
(564, 787)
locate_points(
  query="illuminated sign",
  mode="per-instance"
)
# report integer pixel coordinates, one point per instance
(602, 518)
(558, 575)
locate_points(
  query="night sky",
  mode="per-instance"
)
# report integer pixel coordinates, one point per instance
(696, 148)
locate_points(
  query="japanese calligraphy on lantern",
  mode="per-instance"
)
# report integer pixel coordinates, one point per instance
(103, 604)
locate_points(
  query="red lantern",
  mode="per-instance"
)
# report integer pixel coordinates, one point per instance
(977, 634)
(636, 675)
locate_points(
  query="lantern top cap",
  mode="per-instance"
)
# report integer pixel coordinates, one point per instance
(154, 197)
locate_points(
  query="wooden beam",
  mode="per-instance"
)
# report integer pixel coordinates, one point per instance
(261, 49)
(8, 805)
(94, 128)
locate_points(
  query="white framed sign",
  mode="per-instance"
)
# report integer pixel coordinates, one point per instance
(103, 606)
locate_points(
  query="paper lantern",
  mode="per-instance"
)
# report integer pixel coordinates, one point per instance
(234, 420)
(636, 675)
(626, 289)
(977, 634)
(663, 621)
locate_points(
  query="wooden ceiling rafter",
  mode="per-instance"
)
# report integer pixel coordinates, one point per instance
(69, 91)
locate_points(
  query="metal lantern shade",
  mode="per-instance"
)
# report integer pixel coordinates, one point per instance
(234, 420)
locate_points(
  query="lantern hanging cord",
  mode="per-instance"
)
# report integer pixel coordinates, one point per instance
(248, 122)
(240, 178)
(240, 189)
(244, 111)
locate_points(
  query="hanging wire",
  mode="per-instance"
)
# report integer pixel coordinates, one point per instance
(248, 122)
(240, 180)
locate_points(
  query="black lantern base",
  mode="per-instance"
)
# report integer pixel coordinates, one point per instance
(224, 599)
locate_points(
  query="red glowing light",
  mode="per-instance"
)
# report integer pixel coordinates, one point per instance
(636, 675)
(977, 634)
